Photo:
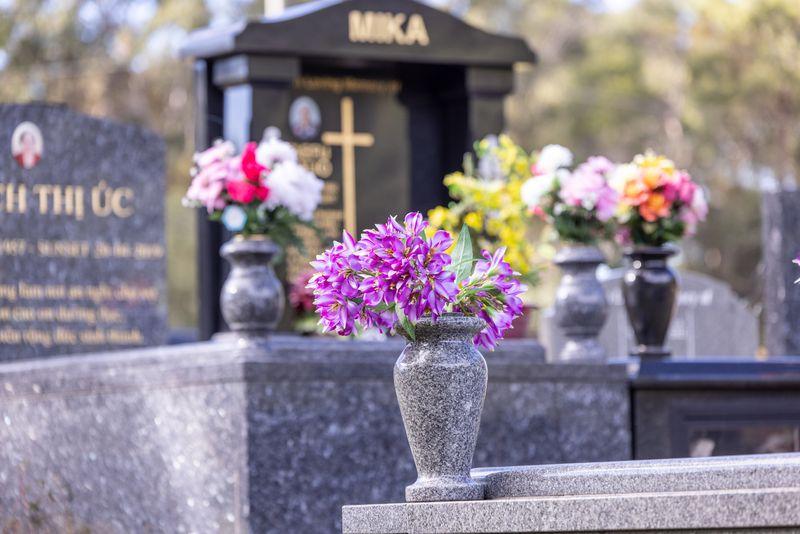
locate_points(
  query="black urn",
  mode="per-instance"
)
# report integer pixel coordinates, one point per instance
(649, 288)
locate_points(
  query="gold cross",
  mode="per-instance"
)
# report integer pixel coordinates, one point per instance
(348, 139)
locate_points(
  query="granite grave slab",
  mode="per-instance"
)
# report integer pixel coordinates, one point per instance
(713, 407)
(228, 436)
(82, 252)
(756, 494)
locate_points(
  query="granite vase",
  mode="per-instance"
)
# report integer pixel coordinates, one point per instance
(649, 288)
(581, 308)
(440, 381)
(252, 299)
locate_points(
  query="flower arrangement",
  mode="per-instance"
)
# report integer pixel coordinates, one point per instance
(658, 203)
(487, 200)
(580, 205)
(398, 273)
(263, 190)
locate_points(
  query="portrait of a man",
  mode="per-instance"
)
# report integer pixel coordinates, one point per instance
(27, 145)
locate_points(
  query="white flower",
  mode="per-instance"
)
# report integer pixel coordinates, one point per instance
(535, 188)
(272, 151)
(295, 188)
(552, 158)
(234, 218)
(621, 175)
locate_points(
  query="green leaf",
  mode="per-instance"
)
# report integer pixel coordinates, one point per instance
(462, 256)
(406, 323)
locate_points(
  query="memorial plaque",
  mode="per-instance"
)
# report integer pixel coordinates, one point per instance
(709, 320)
(347, 131)
(82, 253)
(381, 99)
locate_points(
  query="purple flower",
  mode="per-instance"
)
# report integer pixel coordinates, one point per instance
(392, 268)
(395, 272)
(335, 284)
(492, 293)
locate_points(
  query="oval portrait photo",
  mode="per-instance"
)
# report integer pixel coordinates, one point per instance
(304, 118)
(27, 144)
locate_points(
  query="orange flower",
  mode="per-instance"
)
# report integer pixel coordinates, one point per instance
(655, 207)
(635, 191)
(652, 177)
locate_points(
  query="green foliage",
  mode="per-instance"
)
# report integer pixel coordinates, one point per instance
(462, 255)
(664, 230)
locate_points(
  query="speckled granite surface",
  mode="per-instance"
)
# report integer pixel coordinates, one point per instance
(269, 437)
(719, 495)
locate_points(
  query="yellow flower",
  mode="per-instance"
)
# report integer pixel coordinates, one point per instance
(438, 216)
(474, 220)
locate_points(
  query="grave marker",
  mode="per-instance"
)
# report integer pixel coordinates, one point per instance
(82, 252)
(381, 99)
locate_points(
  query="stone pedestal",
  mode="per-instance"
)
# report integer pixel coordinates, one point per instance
(739, 494)
(229, 436)
(719, 406)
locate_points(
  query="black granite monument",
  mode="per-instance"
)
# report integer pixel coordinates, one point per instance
(781, 244)
(82, 252)
(381, 99)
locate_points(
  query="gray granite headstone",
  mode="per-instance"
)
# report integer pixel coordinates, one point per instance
(781, 241)
(82, 251)
(710, 320)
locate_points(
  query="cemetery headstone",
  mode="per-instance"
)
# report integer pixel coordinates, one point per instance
(82, 253)
(710, 320)
(381, 100)
(781, 241)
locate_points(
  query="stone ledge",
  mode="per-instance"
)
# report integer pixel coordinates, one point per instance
(281, 358)
(707, 494)
(775, 509)
(644, 476)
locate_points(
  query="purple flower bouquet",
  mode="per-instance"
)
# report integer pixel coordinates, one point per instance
(397, 274)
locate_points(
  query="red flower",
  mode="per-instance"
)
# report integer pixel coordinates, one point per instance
(251, 168)
(250, 187)
(244, 191)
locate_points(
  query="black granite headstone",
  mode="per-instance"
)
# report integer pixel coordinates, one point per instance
(381, 99)
(82, 253)
(780, 212)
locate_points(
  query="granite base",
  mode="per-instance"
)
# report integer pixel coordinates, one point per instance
(754, 494)
(274, 436)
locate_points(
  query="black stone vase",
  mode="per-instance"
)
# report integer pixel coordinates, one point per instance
(252, 298)
(580, 307)
(440, 381)
(649, 287)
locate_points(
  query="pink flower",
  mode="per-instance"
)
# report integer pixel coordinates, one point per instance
(221, 151)
(695, 211)
(679, 187)
(213, 168)
(247, 185)
(245, 192)
(588, 188)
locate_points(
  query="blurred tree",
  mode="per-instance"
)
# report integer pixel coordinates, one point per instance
(117, 59)
(712, 83)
